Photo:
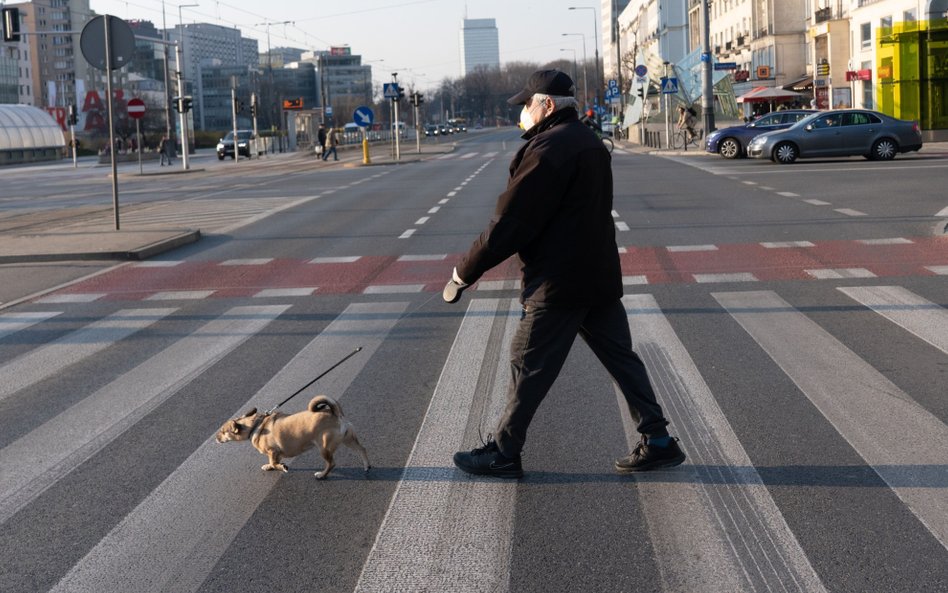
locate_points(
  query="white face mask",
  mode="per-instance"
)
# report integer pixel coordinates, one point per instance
(526, 120)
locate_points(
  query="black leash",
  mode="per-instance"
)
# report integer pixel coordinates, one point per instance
(321, 375)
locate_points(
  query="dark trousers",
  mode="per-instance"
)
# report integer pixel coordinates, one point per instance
(539, 349)
(332, 149)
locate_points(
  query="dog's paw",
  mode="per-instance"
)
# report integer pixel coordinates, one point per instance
(282, 467)
(320, 475)
(267, 467)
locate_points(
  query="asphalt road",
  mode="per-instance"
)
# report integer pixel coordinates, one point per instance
(793, 319)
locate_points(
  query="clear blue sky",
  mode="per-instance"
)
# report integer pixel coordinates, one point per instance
(417, 38)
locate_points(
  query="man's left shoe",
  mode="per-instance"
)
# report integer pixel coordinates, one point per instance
(647, 457)
(489, 461)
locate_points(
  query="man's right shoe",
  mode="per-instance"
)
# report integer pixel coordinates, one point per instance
(488, 461)
(647, 457)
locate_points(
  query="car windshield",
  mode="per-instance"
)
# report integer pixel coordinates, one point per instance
(808, 119)
(241, 135)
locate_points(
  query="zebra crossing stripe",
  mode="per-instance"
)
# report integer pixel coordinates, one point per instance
(10, 323)
(188, 521)
(73, 347)
(906, 309)
(718, 517)
(82, 430)
(892, 433)
(416, 549)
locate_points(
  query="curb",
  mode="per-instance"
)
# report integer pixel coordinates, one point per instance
(136, 254)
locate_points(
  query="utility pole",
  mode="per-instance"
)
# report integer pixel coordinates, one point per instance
(707, 96)
(233, 101)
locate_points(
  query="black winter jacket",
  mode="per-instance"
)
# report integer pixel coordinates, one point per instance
(556, 215)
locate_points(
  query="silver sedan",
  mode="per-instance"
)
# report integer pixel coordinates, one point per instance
(843, 132)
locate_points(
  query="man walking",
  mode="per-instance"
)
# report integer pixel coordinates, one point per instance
(556, 215)
(332, 140)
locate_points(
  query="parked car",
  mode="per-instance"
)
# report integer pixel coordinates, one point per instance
(841, 132)
(731, 143)
(225, 146)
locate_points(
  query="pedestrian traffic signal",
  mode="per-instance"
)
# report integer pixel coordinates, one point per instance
(238, 105)
(253, 110)
(642, 93)
(72, 118)
(181, 104)
(11, 24)
(416, 99)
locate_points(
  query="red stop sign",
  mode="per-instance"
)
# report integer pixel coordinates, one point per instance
(136, 108)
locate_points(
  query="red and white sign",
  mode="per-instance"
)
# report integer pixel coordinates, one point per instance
(136, 108)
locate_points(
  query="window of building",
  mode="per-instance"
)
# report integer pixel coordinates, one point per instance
(910, 16)
(885, 23)
(867, 88)
(865, 35)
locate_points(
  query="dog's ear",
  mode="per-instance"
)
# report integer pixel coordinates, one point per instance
(250, 413)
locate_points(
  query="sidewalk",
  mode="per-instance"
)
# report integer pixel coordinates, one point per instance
(88, 233)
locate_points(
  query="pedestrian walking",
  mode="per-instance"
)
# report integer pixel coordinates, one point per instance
(321, 140)
(332, 140)
(164, 151)
(556, 215)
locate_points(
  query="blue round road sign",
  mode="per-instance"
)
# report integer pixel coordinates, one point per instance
(363, 116)
(641, 70)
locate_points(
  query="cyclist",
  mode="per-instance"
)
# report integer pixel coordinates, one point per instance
(686, 121)
(589, 118)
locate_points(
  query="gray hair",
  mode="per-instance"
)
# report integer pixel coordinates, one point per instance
(558, 102)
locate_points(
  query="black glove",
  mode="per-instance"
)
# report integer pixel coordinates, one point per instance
(454, 288)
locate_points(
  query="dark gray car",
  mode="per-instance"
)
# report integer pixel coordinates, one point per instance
(841, 132)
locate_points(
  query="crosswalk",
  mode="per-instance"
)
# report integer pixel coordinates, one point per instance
(715, 524)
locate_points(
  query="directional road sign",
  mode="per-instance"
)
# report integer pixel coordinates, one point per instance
(363, 116)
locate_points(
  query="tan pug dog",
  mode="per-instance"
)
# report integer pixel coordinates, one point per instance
(281, 435)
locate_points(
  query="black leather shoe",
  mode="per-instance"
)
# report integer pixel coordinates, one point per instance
(488, 461)
(647, 457)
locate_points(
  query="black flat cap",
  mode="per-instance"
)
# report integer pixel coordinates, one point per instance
(548, 82)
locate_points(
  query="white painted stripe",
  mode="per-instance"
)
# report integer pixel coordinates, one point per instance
(766, 188)
(458, 188)
(716, 517)
(188, 522)
(735, 277)
(621, 226)
(512, 284)
(439, 257)
(444, 201)
(468, 155)
(394, 289)
(159, 264)
(686, 248)
(939, 270)
(942, 213)
(451, 194)
(634, 280)
(615, 214)
(906, 309)
(285, 292)
(407, 234)
(434, 210)
(817, 202)
(891, 241)
(488, 155)
(52, 358)
(749, 182)
(10, 323)
(79, 432)
(175, 295)
(786, 244)
(788, 194)
(423, 220)
(623, 250)
(891, 432)
(258, 261)
(336, 260)
(416, 549)
(837, 273)
(849, 212)
(71, 298)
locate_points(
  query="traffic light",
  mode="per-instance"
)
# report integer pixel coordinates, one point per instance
(253, 110)
(72, 118)
(417, 99)
(238, 105)
(11, 24)
(176, 104)
(181, 104)
(401, 93)
(641, 93)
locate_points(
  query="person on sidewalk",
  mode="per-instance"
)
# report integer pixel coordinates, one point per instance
(164, 151)
(556, 215)
(321, 140)
(332, 140)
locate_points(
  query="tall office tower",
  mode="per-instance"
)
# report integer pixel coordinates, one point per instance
(479, 45)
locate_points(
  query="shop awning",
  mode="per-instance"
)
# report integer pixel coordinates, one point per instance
(801, 84)
(763, 94)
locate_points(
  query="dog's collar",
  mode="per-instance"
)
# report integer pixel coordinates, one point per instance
(256, 425)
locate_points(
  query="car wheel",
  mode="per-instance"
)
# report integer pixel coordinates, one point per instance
(220, 156)
(884, 149)
(785, 153)
(729, 148)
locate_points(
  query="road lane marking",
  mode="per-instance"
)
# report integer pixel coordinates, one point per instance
(394, 289)
(906, 309)
(849, 212)
(621, 226)
(939, 270)
(174, 295)
(444, 531)
(348, 259)
(71, 298)
(187, 523)
(81, 431)
(786, 244)
(837, 273)
(733, 277)
(407, 234)
(10, 323)
(55, 356)
(889, 241)
(788, 194)
(886, 427)
(690, 248)
(818, 202)
(285, 292)
(438, 257)
(718, 517)
(255, 261)
(423, 220)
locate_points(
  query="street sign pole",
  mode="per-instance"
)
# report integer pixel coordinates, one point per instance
(108, 92)
(395, 106)
(138, 136)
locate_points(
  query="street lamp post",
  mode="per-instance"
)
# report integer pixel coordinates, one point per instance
(574, 60)
(596, 48)
(182, 115)
(585, 80)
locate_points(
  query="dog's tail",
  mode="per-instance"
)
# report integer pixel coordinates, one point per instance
(324, 403)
